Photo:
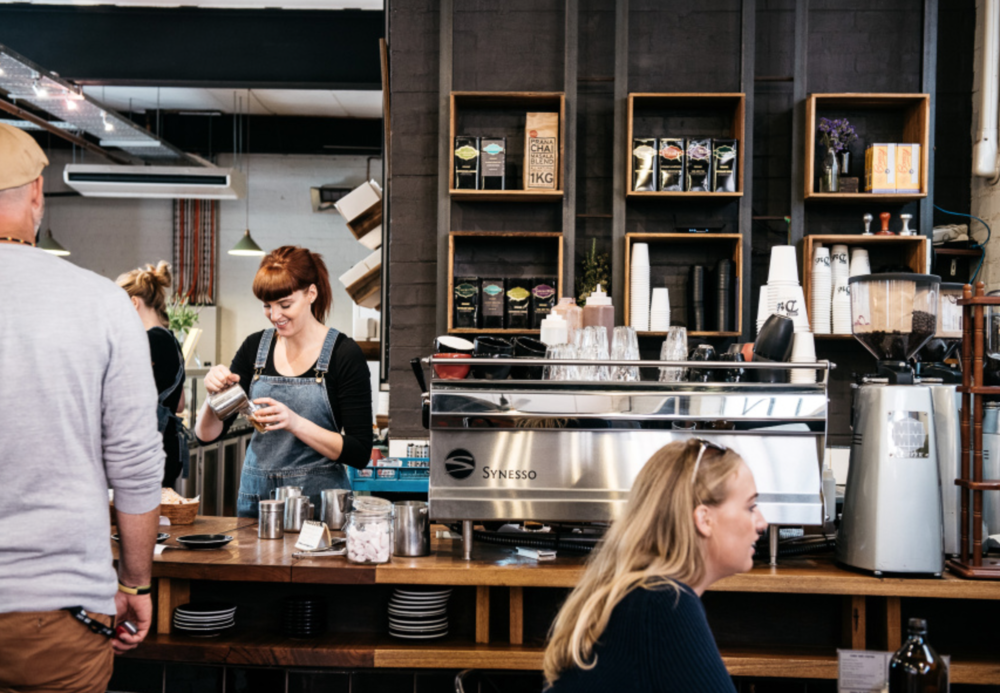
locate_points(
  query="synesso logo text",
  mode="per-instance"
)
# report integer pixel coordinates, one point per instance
(514, 474)
(460, 464)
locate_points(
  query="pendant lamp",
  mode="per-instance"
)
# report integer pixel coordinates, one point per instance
(51, 245)
(245, 247)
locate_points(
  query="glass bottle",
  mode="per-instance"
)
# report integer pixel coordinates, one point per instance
(829, 179)
(916, 667)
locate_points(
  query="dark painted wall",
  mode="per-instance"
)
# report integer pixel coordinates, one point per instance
(853, 45)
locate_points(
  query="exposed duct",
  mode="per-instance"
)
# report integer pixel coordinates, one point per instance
(984, 152)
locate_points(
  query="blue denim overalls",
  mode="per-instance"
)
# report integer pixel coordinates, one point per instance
(278, 458)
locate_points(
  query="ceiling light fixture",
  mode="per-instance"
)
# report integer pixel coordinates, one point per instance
(40, 91)
(247, 247)
(108, 127)
(51, 245)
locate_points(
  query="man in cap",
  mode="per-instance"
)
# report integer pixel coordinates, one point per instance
(79, 417)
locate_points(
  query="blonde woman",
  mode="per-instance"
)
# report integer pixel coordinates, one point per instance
(635, 622)
(147, 287)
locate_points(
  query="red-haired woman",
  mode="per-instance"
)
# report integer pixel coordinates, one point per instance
(313, 381)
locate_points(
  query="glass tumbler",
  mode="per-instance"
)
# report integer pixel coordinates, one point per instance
(674, 349)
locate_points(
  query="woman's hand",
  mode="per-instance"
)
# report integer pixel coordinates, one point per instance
(218, 378)
(276, 416)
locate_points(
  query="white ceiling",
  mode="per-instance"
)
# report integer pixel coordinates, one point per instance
(285, 102)
(222, 4)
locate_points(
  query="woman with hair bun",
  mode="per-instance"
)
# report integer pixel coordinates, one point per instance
(312, 381)
(147, 287)
(635, 621)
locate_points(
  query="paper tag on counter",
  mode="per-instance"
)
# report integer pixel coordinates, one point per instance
(867, 671)
(314, 535)
(159, 548)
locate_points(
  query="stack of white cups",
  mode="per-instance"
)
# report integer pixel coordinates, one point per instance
(821, 290)
(784, 294)
(859, 262)
(803, 351)
(639, 290)
(841, 271)
(763, 311)
(659, 311)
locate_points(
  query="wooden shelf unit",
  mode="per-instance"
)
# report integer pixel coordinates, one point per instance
(515, 241)
(914, 110)
(724, 245)
(909, 250)
(507, 104)
(728, 106)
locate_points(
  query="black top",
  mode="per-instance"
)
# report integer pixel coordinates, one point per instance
(656, 640)
(166, 361)
(348, 386)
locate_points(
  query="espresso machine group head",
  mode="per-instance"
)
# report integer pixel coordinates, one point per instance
(892, 519)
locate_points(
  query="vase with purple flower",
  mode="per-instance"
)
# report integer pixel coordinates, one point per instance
(838, 134)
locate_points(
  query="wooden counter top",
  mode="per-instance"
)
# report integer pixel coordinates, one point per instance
(248, 558)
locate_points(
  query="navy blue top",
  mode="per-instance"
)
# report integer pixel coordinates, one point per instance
(656, 640)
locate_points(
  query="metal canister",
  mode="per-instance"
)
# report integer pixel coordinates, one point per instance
(272, 519)
(411, 529)
(296, 513)
(335, 504)
(991, 465)
(230, 401)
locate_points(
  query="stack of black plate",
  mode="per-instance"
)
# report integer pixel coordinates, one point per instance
(304, 617)
(696, 299)
(723, 303)
(204, 620)
(419, 613)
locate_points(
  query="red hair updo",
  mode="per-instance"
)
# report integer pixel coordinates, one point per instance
(290, 268)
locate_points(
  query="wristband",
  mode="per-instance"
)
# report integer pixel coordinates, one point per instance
(144, 589)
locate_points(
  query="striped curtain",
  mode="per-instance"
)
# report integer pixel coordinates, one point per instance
(195, 224)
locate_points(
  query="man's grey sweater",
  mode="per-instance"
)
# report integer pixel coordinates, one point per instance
(77, 416)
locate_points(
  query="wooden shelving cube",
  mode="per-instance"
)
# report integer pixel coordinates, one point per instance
(671, 256)
(686, 115)
(882, 250)
(502, 114)
(502, 254)
(890, 118)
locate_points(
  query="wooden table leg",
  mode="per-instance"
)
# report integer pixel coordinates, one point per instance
(854, 623)
(482, 614)
(893, 623)
(516, 615)
(170, 593)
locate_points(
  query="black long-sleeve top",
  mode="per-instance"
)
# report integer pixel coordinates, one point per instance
(656, 640)
(348, 385)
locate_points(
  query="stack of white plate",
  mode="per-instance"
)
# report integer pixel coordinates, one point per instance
(418, 613)
(639, 289)
(842, 308)
(821, 290)
(659, 311)
(204, 620)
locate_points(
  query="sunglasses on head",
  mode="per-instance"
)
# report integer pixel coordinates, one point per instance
(704, 445)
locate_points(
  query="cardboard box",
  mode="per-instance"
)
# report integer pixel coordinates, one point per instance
(541, 151)
(643, 165)
(908, 168)
(671, 161)
(362, 209)
(493, 153)
(880, 168)
(363, 282)
(466, 163)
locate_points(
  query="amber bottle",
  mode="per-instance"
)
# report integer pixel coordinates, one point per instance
(916, 667)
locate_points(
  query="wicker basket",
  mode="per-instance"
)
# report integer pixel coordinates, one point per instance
(180, 514)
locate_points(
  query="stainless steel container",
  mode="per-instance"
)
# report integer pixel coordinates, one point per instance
(296, 513)
(272, 521)
(411, 526)
(232, 400)
(335, 504)
(991, 466)
(283, 493)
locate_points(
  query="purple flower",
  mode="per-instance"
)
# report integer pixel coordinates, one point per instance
(837, 134)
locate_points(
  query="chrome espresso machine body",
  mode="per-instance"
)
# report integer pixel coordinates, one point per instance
(557, 451)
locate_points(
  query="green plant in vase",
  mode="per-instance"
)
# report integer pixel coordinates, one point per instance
(596, 269)
(181, 316)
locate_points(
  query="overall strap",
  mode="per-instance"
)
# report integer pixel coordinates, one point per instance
(262, 351)
(323, 363)
(179, 378)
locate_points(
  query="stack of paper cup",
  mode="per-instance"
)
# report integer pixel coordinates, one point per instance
(639, 290)
(822, 291)
(840, 268)
(659, 311)
(859, 262)
(763, 311)
(792, 302)
(782, 275)
(803, 351)
(842, 308)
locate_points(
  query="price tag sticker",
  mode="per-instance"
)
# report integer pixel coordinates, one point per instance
(314, 535)
(862, 671)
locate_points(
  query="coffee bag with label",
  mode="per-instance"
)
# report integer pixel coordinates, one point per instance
(466, 163)
(518, 304)
(492, 308)
(494, 162)
(543, 299)
(541, 151)
(465, 301)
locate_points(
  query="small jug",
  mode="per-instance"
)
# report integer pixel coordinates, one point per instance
(233, 400)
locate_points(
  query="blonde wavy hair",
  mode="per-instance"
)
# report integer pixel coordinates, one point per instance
(656, 544)
(150, 284)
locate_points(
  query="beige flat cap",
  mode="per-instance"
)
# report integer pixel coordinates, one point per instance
(21, 159)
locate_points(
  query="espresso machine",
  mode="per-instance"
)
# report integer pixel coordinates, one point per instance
(892, 518)
(943, 380)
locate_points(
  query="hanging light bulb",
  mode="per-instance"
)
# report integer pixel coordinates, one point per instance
(40, 91)
(108, 127)
(51, 245)
(247, 247)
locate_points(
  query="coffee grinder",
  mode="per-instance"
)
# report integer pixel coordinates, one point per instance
(892, 508)
(943, 379)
